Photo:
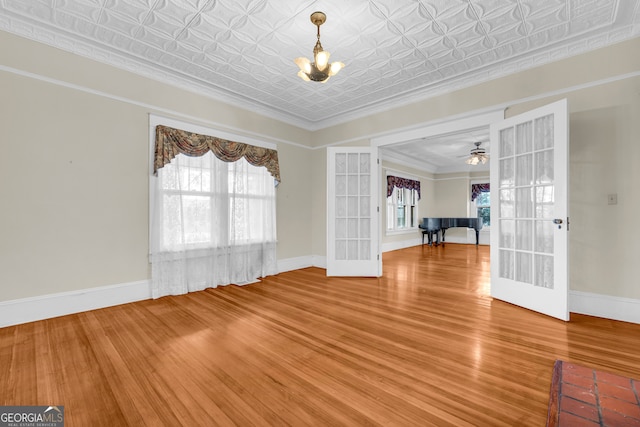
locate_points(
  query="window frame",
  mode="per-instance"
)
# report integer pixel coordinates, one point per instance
(408, 194)
(155, 120)
(474, 206)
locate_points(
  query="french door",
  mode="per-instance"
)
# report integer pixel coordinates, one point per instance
(529, 210)
(353, 232)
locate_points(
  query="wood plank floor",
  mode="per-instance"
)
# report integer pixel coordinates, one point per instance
(423, 345)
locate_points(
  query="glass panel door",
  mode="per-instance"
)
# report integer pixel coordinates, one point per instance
(352, 212)
(529, 169)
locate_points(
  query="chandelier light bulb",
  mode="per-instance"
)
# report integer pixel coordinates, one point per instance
(322, 59)
(335, 67)
(304, 64)
(303, 76)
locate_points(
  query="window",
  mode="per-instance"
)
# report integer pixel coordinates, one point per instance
(402, 209)
(206, 203)
(212, 211)
(483, 205)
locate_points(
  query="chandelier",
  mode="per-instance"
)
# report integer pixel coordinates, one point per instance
(477, 155)
(319, 70)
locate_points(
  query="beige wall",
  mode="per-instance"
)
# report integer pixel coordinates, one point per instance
(605, 148)
(74, 190)
(452, 196)
(295, 196)
(75, 166)
(74, 181)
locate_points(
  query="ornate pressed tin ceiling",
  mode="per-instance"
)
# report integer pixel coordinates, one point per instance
(395, 51)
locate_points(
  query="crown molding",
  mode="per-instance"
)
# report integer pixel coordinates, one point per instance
(94, 51)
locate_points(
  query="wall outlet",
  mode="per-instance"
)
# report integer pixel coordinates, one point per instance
(612, 199)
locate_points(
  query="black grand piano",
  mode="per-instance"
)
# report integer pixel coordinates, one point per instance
(431, 226)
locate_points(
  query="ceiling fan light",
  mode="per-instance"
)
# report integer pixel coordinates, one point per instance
(477, 155)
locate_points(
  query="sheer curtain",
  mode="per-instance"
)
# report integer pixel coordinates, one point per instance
(213, 223)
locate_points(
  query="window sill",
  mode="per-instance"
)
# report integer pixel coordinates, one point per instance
(403, 231)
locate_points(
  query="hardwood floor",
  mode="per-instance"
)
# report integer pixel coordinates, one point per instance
(423, 345)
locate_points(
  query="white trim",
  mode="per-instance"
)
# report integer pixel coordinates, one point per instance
(420, 164)
(31, 309)
(451, 124)
(469, 239)
(479, 180)
(147, 106)
(290, 264)
(401, 174)
(319, 261)
(451, 178)
(41, 307)
(155, 119)
(402, 231)
(418, 177)
(605, 306)
(69, 43)
(403, 244)
(394, 246)
(376, 135)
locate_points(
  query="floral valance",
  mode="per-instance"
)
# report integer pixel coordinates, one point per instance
(396, 181)
(476, 189)
(170, 142)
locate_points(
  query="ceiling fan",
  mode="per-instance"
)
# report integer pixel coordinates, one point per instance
(477, 155)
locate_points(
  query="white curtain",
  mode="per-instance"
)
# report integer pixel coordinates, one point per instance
(213, 223)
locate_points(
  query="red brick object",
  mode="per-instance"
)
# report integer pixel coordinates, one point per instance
(582, 396)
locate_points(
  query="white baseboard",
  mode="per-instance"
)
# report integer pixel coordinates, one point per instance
(606, 306)
(459, 239)
(297, 263)
(30, 309)
(26, 310)
(41, 307)
(394, 246)
(319, 261)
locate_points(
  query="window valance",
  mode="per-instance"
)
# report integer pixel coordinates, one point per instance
(476, 189)
(398, 182)
(170, 142)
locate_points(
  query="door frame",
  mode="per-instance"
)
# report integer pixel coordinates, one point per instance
(448, 125)
(452, 124)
